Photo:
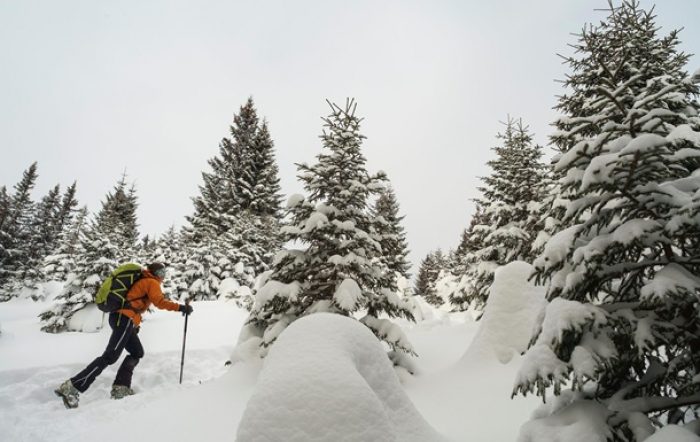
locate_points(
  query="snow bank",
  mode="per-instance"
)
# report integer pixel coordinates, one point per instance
(507, 324)
(328, 378)
(673, 433)
(582, 421)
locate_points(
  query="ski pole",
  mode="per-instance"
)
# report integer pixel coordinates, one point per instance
(184, 340)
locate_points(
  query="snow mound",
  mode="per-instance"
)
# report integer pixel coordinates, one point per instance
(673, 433)
(582, 421)
(507, 325)
(328, 379)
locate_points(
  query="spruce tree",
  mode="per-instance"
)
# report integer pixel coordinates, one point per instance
(43, 237)
(45, 223)
(4, 207)
(428, 274)
(457, 288)
(97, 259)
(507, 233)
(266, 197)
(393, 235)
(234, 231)
(16, 235)
(340, 266)
(244, 167)
(68, 207)
(118, 219)
(621, 328)
(62, 261)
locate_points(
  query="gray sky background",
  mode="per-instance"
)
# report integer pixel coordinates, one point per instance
(89, 89)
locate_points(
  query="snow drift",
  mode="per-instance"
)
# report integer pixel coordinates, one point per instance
(515, 301)
(317, 386)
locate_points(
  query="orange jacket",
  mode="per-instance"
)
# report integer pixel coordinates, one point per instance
(143, 293)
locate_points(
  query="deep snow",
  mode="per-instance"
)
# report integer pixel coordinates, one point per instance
(461, 389)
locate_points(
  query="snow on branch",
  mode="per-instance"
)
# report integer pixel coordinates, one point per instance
(389, 332)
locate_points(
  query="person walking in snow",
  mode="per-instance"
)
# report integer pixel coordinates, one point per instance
(125, 325)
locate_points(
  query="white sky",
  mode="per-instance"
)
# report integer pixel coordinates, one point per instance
(89, 89)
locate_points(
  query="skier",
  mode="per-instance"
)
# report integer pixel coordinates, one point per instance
(125, 328)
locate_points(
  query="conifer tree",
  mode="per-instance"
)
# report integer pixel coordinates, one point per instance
(97, 259)
(507, 233)
(15, 234)
(45, 223)
(59, 264)
(243, 177)
(4, 206)
(234, 231)
(109, 240)
(244, 167)
(393, 235)
(456, 282)
(68, 207)
(339, 268)
(42, 239)
(117, 217)
(428, 274)
(266, 197)
(621, 327)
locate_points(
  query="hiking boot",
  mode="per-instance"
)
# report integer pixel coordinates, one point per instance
(120, 391)
(68, 393)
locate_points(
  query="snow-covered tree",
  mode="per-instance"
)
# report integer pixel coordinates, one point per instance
(393, 235)
(97, 260)
(93, 252)
(63, 260)
(15, 234)
(68, 207)
(238, 211)
(339, 266)
(621, 328)
(118, 219)
(454, 282)
(507, 232)
(263, 181)
(431, 267)
(42, 237)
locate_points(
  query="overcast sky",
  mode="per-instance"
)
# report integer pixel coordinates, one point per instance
(91, 89)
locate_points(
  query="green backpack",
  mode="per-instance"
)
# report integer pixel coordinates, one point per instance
(112, 293)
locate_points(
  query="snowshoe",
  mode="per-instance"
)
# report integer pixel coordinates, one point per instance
(68, 393)
(120, 391)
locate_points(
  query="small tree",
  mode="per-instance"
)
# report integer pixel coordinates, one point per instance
(393, 235)
(118, 219)
(63, 260)
(98, 258)
(456, 282)
(428, 274)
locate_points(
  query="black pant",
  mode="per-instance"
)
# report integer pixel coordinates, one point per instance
(124, 336)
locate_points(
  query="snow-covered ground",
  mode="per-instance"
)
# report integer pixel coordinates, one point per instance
(462, 393)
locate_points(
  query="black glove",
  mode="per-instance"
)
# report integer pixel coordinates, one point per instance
(186, 309)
